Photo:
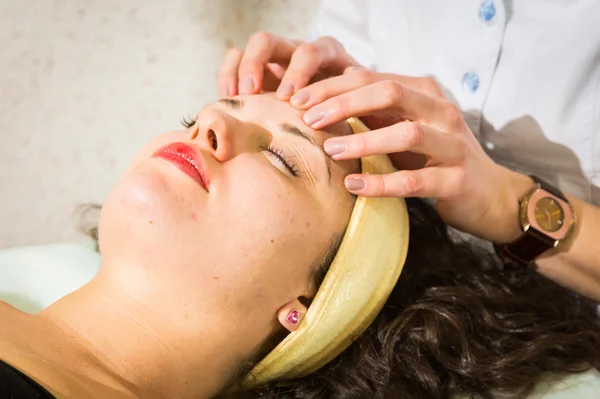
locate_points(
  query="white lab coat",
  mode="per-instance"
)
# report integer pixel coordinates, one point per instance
(525, 72)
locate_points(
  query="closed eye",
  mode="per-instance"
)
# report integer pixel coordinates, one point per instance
(285, 160)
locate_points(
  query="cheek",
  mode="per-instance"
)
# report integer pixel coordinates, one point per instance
(275, 231)
(273, 209)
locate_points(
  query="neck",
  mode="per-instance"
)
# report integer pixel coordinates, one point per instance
(138, 350)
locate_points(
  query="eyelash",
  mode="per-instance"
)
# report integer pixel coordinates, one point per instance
(289, 165)
(188, 122)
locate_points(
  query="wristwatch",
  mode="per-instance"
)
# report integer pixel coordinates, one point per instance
(547, 219)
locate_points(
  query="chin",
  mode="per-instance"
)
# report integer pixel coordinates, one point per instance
(149, 205)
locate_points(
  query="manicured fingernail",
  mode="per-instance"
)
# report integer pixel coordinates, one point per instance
(334, 146)
(293, 317)
(246, 85)
(300, 98)
(314, 115)
(355, 183)
(285, 89)
(224, 93)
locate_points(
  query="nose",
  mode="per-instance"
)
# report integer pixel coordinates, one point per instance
(223, 135)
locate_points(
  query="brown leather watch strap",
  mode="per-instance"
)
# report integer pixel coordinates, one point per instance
(525, 249)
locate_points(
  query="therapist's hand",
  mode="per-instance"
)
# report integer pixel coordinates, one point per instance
(272, 63)
(428, 139)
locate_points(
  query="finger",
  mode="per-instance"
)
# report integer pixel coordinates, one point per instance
(355, 77)
(433, 182)
(324, 54)
(400, 101)
(227, 78)
(427, 85)
(320, 91)
(262, 49)
(272, 77)
(276, 70)
(404, 136)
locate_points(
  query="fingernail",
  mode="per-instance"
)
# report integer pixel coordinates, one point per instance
(247, 85)
(314, 115)
(285, 89)
(334, 146)
(354, 183)
(300, 98)
(293, 317)
(224, 93)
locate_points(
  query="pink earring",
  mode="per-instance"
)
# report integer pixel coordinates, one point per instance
(293, 317)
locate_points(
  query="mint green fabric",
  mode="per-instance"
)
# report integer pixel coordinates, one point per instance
(33, 277)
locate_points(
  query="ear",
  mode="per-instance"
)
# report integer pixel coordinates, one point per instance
(291, 314)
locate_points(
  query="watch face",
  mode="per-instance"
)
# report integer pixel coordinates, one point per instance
(549, 214)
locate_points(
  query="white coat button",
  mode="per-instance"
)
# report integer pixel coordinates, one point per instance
(487, 10)
(470, 82)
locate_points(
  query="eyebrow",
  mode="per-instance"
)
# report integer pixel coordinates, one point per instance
(236, 104)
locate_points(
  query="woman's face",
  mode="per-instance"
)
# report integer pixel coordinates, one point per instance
(249, 242)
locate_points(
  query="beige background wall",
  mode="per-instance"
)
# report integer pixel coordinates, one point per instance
(84, 83)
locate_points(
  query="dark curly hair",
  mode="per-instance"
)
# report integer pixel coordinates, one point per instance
(457, 322)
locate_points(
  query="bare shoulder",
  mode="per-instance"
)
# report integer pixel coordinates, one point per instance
(23, 340)
(14, 322)
(17, 331)
(40, 350)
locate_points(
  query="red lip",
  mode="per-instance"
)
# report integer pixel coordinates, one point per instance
(188, 160)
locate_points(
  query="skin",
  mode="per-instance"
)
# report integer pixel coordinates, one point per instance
(192, 283)
(426, 137)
